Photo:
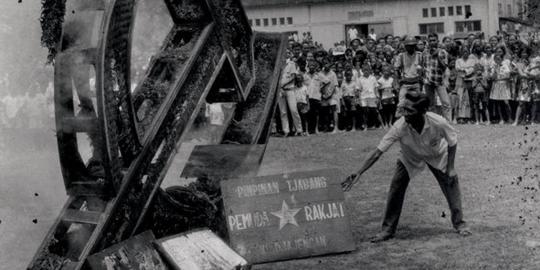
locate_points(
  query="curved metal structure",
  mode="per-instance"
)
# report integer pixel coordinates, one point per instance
(210, 55)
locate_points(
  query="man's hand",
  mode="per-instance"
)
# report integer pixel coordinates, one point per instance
(347, 184)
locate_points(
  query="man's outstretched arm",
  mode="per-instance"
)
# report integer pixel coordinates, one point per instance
(371, 159)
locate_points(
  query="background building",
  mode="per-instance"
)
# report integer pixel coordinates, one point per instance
(331, 21)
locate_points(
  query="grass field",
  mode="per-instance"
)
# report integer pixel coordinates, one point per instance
(498, 168)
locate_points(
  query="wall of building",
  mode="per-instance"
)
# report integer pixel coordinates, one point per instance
(326, 21)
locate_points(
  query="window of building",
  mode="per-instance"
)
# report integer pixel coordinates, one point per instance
(425, 13)
(442, 11)
(450, 11)
(433, 12)
(459, 10)
(265, 21)
(468, 26)
(282, 21)
(257, 22)
(274, 21)
(519, 7)
(250, 22)
(500, 9)
(467, 9)
(509, 10)
(289, 20)
(427, 28)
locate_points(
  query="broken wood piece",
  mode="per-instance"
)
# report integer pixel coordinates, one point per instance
(137, 252)
(199, 250)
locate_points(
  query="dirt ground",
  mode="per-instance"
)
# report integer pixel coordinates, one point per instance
(498, 168)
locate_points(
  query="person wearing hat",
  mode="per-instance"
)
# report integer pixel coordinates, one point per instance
(426, 139)
(408, 64)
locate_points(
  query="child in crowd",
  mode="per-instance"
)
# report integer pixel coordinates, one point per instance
(328, 97)
(369, 98)
(479, 99)
(387, 94)
(348, 90)
(313, 83)
(302, 104)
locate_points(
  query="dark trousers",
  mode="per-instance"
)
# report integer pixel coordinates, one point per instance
(348, 113)
(313, 115)
(396, 194)
(326, 118)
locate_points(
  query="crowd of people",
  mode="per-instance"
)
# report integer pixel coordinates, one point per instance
(33, 109)
(358, 86)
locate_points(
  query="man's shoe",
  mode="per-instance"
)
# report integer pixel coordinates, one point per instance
(380, 237)
(464, 231)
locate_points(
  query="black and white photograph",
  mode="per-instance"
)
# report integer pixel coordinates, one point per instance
(269, 134)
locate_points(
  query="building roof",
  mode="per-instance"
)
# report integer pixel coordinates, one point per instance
(261, 3)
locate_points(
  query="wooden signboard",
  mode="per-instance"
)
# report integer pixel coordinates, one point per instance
(137, 252)
(287, 216)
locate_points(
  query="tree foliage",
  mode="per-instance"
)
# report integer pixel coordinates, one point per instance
(52, 18)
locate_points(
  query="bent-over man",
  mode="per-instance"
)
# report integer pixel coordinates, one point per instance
(425, 139)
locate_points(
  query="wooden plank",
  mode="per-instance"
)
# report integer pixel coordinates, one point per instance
(87, 188)
(79, 124)
(199, 250)
(77, 216)
(137, 252)
(224, 160)
(287, 216)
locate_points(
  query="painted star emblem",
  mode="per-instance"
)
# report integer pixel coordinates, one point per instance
(286, 215)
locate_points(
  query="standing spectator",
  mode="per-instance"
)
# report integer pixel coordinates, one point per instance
(533, 72)
(353, 33)
(451, 80)
(523, 86)
(312, 81)
(369, 98)
(302, 99)
(479, 99)
(500, 93)
(372, 34)
(328, 95)
(465, 68)
(348, 89)
(435, 62)
(287, 99)
(386, 92)
(408, 64)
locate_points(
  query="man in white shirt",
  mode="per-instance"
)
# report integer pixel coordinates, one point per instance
(425, 139)
(287, 98)
(372, 34)
(353, 33)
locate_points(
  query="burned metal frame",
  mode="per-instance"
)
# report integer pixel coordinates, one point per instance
(110, 195)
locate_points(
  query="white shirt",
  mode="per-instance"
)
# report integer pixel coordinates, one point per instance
(368, 87)
(313, 84)
(289, 72)
(348, 89)
(301, 94)
(387, 86)
(353, 33)
(430, 146)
